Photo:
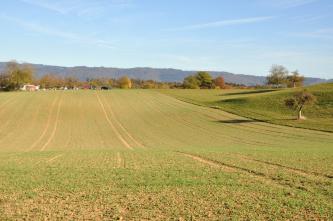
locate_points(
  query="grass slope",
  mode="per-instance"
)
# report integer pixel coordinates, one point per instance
(139, 154)
(267, 105)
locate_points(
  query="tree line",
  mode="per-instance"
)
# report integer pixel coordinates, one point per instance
(278, 77)
(16, 75)
(203, 80)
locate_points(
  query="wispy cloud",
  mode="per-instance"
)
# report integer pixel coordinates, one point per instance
(37, 28)
(79, 7)
(223, 23)
(288, 3)
(326, 33)
(53, 6)
(309, 18)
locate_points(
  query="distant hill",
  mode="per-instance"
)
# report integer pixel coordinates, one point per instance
(157, 74)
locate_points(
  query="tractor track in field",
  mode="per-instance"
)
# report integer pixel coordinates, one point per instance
(119, 136)
(48, 160)
(118, 160)
(233, 168)
(33, 145)
(215, 162)
(54, 158)
(121, 126)
(208, 162)
(290, 169)
(55, 126)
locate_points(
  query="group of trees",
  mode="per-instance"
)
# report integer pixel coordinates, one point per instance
(126, 83)
(200, 80)
(280, 77)
(203, 80)
(151, 84)
(15, 76)
(52, 81)
(94, 83)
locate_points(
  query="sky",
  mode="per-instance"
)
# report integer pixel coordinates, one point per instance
(239, 36)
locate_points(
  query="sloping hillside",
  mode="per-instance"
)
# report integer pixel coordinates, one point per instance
(267, 105)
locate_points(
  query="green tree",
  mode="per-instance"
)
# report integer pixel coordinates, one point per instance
(125, 82)
(295, 79)
(299, 101)
(17, 75)
(278, 75)
(205, 79)
(4, 81)
(191, 82)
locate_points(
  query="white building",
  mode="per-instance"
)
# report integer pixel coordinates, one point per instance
(30, 87)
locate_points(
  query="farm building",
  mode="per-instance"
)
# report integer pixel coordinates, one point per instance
(30, 87)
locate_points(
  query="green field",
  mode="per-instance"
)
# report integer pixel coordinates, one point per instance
(266, 105)
(144, 155)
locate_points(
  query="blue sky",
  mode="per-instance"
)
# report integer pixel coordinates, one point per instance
(239, 36)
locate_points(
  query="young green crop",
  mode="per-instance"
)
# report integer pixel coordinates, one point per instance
(139, 154)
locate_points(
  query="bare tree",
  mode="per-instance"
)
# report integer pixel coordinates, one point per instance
(278, 75)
